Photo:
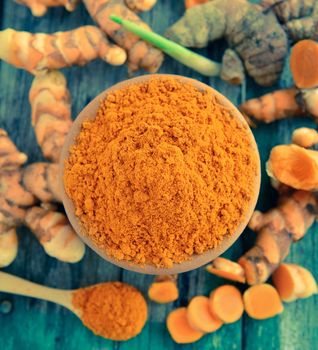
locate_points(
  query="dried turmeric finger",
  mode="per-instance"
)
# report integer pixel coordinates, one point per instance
(200, 316)
(180, 329)
(228, 269)
(226, 303)
(42, 52)
(294, 166)
(303, 59)
(39, 7)
(140, 54)
(140, 5)
(163, 290)
(262, 301)
(276, 105)
(51, 112)
(305, 137)
(293, 282)
(10, 157)
(8, 245)
(55, 234)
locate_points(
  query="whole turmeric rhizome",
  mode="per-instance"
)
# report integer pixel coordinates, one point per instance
(157, 176)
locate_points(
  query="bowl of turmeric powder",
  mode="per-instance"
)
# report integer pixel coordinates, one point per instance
(160, 174)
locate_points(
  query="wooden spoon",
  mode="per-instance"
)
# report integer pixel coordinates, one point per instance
(20, 286)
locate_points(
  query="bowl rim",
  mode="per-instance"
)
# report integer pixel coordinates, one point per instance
(197, 260)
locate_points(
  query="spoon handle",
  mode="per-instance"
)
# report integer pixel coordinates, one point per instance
(20, 286)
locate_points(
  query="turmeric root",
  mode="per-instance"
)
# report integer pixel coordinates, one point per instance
(277, 229)
(8, 245)
(179, 327)
(200, 317)
(42, 52)
(256, 36)
(305, 137)
(140, 5)
(51, 112)
(294, 166)
(226, 303)
(299, 17)
(276, 105)
(303, 65)
(55, 234)
(227, 269)
(10, 157)
(39, 7)
(140, 54)
(164, 289)
(262, 301)
(293, 282)
(191, 3)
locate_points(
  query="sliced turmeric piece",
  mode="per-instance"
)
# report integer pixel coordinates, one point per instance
(309, 281)
(191, 3)
(200, 316)
(303, 64)
(226, 303)
(262, 301)
(294, 166)
(163, 292)
(227, 269)
(180, 329)
(288, 282)
(305, 137)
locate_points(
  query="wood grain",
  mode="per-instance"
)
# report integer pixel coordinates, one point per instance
(37, 325)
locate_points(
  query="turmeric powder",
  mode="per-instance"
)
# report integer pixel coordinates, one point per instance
(112, 310)
(157, 176)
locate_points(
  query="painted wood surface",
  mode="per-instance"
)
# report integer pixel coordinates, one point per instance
(32, 324)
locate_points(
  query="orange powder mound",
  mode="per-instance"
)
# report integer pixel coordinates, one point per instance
(162, 173)
(113, 310)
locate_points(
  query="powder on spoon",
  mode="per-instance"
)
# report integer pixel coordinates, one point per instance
(113, 310)
(163, 172)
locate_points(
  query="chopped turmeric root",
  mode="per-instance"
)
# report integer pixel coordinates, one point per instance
(39, 7)
(41, 52)
(140, 54)
(262, 301)
(10, 157)
(51, 112)
(277, 229)
(55, 234)
(293, 282)
(228, 269)
(180, 329)
(8, 245)
(273, 106)
(163, 290)
(303, 59)
(191, 3)
(294, 166)
(141, 5)
(305, 137)
(200, 316)
(226, 303)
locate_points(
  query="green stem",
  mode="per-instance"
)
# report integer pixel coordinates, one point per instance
(189, 58)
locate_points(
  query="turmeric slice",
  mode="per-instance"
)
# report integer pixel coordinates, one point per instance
(294, 166)
(303, 64)
(228, 269)
(305, 137)
(163, 290)
(262, 301)
(293, 282)
(226, 303)
(200, 316)
(191, 3)
(180, 329)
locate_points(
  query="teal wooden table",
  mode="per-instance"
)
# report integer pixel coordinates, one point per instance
(37, 325)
